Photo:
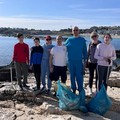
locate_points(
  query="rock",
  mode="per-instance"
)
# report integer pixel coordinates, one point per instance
(114, 82)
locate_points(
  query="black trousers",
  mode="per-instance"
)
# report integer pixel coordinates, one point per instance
(103, 75)
(37, 73)
(60, 72)
(92, 69)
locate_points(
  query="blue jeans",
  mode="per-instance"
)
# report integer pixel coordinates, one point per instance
(76, 74)
(45, 70)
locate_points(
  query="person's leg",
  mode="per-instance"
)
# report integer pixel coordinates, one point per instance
(35, 72)
(91, 74)
(43, 73)
(72, 70)
(25, 73)
(38, 76)
(106, 76)
(56, 72)
(100, 71)
(63, 74)
(79, 75)
(18, 73)
(48, 73)
(96, 76)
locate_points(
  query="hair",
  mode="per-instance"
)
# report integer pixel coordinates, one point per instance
(108, 35)
(36, 38)
(94, 33)
(19, 35)
(59, 36)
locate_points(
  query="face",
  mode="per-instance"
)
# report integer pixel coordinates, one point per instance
(48, 41)
(36, 42)
(95, 38)
(59, 39)
(75, 31)
(107, 39)
(21, 38)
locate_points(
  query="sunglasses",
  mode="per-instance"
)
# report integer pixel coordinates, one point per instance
(75, 30)
(94, 36)
(48, 39)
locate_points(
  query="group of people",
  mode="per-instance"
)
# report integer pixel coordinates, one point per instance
(49, 60)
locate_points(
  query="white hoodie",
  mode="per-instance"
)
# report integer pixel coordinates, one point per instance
(103, 50)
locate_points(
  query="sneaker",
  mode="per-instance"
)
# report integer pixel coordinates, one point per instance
(48, 91)
(90, 91)
(43, 89)
(19, 88)
(26, 86)
(35, 89)
(74, 91)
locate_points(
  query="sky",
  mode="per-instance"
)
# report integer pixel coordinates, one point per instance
(59, 14)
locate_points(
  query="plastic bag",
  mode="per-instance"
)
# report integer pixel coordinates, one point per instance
(69, 101)
(101, 103)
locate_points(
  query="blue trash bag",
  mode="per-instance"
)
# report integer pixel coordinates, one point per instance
(101, 103)
(69, 101)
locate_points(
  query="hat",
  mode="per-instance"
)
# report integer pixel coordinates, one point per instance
(48, 37)
(93, 34)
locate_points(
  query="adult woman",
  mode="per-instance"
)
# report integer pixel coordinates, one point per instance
(91, 61)
(105, 54)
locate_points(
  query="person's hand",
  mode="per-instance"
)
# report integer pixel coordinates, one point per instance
(51, 69)
(49, 50)
(106, 59)
(12, 63)
(87, 64)
(31, 67)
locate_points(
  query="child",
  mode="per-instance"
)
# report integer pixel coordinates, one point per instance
(35, 61)
(105, 54)
(21, 59)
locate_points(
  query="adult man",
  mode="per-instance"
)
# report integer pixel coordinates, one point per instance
(21, 59)
(58, 60)
(77, 50)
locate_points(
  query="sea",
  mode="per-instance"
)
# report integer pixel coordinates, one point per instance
(7, 46)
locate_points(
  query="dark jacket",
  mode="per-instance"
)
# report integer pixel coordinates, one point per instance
(91, 52)
(36, 55)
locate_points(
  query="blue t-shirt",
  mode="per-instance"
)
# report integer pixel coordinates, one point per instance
(46, 53)
(77, 49)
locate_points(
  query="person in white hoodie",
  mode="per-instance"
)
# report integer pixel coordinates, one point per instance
(105, 54)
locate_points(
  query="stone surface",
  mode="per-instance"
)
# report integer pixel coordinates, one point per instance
(30, 105)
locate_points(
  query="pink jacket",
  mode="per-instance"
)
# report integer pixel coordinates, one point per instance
(103, 50)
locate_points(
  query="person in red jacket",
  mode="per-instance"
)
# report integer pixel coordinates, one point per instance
(21, 60)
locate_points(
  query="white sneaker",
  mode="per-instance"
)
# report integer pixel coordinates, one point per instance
(90, 91)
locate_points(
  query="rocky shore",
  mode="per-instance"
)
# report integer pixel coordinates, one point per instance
(30, 105)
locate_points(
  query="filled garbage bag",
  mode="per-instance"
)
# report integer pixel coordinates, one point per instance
(101, 103)
(70, 101)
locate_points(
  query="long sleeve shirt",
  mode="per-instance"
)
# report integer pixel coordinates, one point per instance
(21, 53)
(36, 55)
(105, 51)
(77, 49)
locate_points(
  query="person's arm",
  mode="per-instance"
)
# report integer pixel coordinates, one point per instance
(66, 42)
(113, 55)
(27, 54)
(84, 52)
(97, 54)
(51, 60)
(31, 56)
(51, 63)
(14, 54)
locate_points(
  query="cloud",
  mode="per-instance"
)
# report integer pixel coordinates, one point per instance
(54, 23)
(108, 10)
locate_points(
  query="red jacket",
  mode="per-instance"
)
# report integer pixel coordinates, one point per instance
(21, 53)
